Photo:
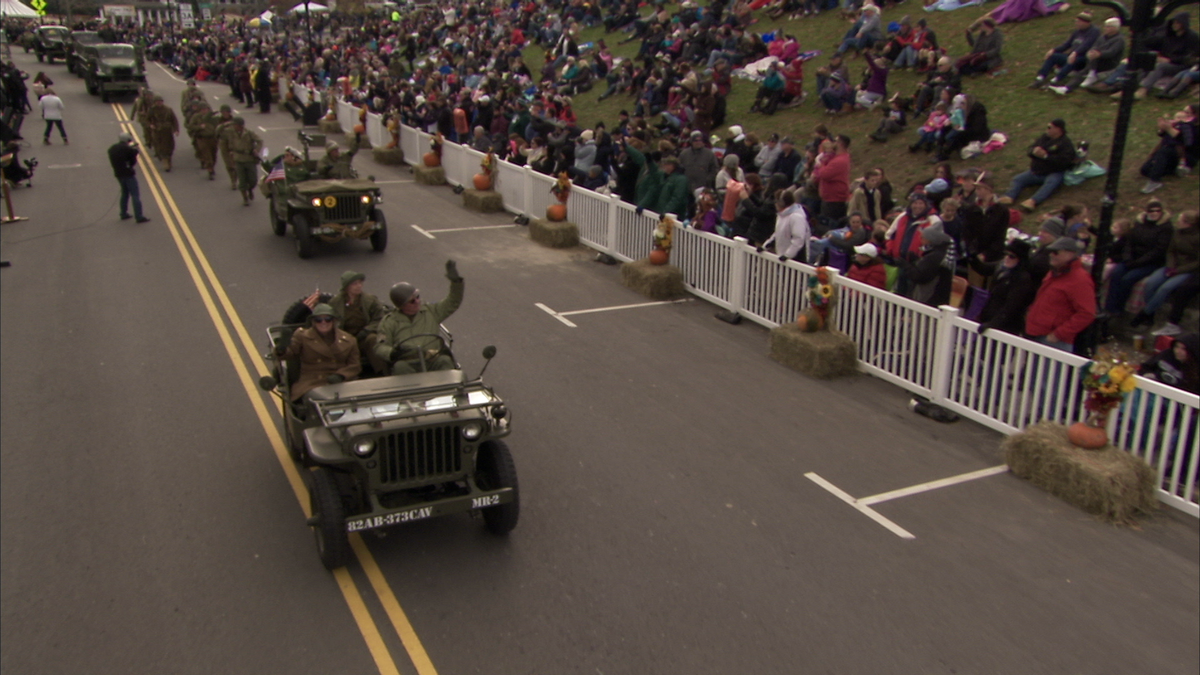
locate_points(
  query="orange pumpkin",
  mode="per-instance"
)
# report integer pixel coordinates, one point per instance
(556, 212)
(659, 257)
(483, 182)
(360, 129)
(431, 159)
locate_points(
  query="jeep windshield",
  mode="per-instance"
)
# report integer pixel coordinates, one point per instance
(54, 34)
(115, 51)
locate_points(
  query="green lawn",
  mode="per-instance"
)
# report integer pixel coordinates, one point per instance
(1018, 112)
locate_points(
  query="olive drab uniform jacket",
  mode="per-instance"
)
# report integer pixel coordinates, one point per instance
(397, 326)
(340, 168)
(203, 124)
(190, 94)
(141, 111)
(320, 359)
(355, 320)
(244, 145)
(163, 127)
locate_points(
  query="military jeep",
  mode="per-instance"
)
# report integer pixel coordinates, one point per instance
(110, 69)
(50, 42)
(323, 210)
(390, 450)
(75, 41)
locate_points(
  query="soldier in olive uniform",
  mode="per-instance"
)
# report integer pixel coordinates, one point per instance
(191, 93)
(244, 146)
(359, 314)
(327, 354)
(410, 319)
(141, 111)
(338, 164)
(202, 126)
(224, 131)
(164, 127)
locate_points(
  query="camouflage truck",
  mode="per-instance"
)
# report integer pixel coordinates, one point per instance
(110, 69)
(50, 42)
(75, 41)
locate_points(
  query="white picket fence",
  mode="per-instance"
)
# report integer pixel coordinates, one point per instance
(999, 380)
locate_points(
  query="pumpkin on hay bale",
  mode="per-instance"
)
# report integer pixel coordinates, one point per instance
(1109, 483)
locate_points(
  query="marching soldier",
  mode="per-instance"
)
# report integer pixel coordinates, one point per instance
(141, 111)
(164, 127)
(244, 146)
(191, 93)
(224, 132)
(202, 126)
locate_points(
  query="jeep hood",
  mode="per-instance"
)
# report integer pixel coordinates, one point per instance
(120, 63)
(315, 187)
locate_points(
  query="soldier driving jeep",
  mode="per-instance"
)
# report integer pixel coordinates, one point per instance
(408, 336)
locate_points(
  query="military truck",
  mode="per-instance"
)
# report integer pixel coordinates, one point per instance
(50, 42)
(110, 69)
(76, 40)
(323, 210)
(396, 449)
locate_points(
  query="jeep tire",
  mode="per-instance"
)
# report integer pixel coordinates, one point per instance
(329, 520)
(379, 237)
(494, 469)
(306, 243)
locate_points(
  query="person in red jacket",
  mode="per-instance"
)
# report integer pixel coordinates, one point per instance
(867, 268)
(1066, 301)
(833, 185)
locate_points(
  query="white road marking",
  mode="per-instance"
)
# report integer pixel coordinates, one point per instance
(266, 129)
(553, 313)
(933, 485)
(866, 510)
(167, 71)
(609, 309)
(64, 166)
(385, 182)
(418, 229)
(478, 227)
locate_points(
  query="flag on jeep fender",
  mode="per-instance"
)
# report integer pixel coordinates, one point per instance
(276, 173)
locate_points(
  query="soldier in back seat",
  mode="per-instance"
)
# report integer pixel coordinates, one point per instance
(326, 354)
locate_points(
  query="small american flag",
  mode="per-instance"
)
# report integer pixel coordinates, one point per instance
(276, 173)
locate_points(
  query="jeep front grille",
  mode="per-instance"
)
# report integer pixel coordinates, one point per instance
(349, 208)
(123, 73)
(419, 455)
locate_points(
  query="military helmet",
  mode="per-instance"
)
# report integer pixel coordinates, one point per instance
(401, 293)
(350, 276)
(239, 120)
(322, 309)
(226, 109)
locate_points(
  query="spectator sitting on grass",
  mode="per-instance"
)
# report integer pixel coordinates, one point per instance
(986, 48)
(929, 134)
(1051, 156)
(929, 92)
(1178, 135)
(1070, 56)
(895, 119)
(1137, 254)
(1101, 59)
(865, 32)
(1177, 51)
(1182, 264)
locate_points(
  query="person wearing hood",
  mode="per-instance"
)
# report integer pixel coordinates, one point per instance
(1178, 365)
(1065, 303)
(791, 229)
(931, 275)
(1012, 291)
(1177, 50)
(698, 162)
(1137, 255)
(327, 354)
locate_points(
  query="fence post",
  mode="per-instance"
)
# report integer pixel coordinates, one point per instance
(611, 236)
(943, 354)
(527, 191)
(738, 258)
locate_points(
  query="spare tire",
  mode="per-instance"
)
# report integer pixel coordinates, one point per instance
(299, 312)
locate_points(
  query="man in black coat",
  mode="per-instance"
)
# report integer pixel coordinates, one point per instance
(1051, 156)
(123, 157)
(1137, 255)
(1013, 290)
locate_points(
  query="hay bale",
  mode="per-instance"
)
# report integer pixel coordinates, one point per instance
(388, 156)
(555, 234)
(329, 127)
(1109, 482)
(483, 201)
(657, 282)
(824, 355)
(429, 175)
(364, 143)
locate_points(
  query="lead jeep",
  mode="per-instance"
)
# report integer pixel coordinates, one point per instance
(50, 42)
(110, 69)
(324, 210)
(396, 449)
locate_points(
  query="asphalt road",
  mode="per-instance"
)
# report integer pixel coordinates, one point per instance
(667, 524)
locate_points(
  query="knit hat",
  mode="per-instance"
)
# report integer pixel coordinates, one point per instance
(1019, 248)
(1054, 226)
(1112, 22)
(735, 130)
(934, 235)
(587, 135)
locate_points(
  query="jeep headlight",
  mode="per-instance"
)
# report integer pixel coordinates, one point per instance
(316, 201)
(472, 431)
(366, 199)
(364, 447)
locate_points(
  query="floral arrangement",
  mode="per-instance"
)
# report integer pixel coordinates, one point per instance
(561, 187)
(393, 127)
(435, 144)
(665, 232)
(820, 292)
(1107, 380)
(488, 164)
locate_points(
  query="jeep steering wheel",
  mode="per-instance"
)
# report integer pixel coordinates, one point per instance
(444, 348)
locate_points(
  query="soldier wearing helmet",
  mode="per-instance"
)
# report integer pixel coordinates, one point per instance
(338, 164)
(327, 354)
(412, 318)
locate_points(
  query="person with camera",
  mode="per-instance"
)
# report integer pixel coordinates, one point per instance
(123, 156)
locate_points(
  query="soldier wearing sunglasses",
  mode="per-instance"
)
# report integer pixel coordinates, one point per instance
(327, 354)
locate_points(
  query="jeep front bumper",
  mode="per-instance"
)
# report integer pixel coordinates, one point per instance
(443, 507)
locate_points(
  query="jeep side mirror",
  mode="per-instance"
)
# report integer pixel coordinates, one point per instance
(489, 351)
(267, 383)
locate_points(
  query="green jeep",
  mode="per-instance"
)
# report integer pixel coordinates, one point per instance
(76, 40)
(323, 210)
(111, 69)
(389, 450)
(50, 42)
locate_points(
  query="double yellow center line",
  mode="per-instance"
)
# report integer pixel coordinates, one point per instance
(212, 293)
